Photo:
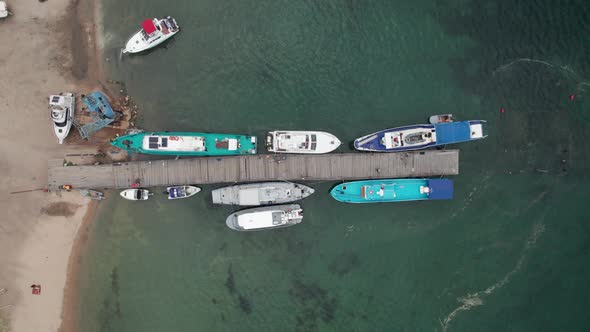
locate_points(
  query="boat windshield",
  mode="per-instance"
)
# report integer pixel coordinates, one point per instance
(138, 194)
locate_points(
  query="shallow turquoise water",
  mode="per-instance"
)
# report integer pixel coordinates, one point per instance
(510, 252)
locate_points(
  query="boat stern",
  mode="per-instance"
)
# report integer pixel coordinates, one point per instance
(440, 189)
(270, 139)
(478, 129)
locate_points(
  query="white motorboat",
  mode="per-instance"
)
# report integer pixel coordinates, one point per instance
(178, 192)
(136, 194)
(153, 32)
(62, 108)
(3, 10)
(315, 142)
(275, 216)
(263, 193)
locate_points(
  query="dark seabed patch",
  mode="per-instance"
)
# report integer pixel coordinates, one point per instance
(230, 283)
(508, 30)
(244, 303)
(110, 315)
(344, 263)
(313, 303)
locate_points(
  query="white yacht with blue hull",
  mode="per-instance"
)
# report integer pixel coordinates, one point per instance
(421, 136)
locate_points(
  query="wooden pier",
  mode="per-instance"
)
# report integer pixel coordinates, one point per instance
(334, 166)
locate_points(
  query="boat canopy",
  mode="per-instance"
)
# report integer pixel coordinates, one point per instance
(440, 189)
(148, 26)
(452, 132)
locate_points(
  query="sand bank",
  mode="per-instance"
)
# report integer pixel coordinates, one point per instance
(47, 48)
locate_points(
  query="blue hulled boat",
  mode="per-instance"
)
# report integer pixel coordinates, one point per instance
(421, 136)
(393, 190)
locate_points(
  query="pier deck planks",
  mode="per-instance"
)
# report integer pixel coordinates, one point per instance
(335, 166)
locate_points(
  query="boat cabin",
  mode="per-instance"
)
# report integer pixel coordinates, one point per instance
(405, 138)
(393, 191)
(290, 142)
(60, 109)
(230, 144)
(262, 220)
(267, 219)
(174, 143)
(151, 27)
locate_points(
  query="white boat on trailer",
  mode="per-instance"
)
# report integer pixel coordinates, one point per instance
(275, 216)
(306, 142)
(178, 192)
(153, 32)
(62, 109)
(136, 194)
(263, 193)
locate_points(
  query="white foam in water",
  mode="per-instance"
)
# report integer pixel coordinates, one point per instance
(566, 70)
(476, 299)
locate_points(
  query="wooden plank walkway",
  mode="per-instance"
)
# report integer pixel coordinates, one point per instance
(335, 166)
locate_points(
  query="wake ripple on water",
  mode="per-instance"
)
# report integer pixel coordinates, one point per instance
(564, 70)
(476, 299)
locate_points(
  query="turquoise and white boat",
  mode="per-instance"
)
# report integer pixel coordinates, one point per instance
(187, 144)
(393, 190)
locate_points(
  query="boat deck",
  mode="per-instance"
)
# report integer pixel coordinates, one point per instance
(253, 168)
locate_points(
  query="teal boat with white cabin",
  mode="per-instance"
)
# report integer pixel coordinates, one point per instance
(393, 190)
(187, 144)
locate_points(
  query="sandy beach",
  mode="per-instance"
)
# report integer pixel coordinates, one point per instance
(45, 51)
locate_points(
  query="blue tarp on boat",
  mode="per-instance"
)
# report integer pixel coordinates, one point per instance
(452, 132)
(440, 189)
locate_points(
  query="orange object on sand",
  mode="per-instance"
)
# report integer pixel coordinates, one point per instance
(36, 289)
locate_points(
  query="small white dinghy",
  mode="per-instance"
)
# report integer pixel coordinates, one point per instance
(441, 118)
(136, 194)
(3, 10)
(62, 108)
(275, 216)
(307, 142)
(178, 192)
(153, 32)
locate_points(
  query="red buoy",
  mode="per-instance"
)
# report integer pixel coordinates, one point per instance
(572, 97)
(502, 110)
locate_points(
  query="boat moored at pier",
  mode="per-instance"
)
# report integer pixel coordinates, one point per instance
(178, 192)
(153, 32)
(422, 136)
(136, 194)
(275, 216)
(393, 190)
(307, 142)
(263, 193)
(187, 143)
